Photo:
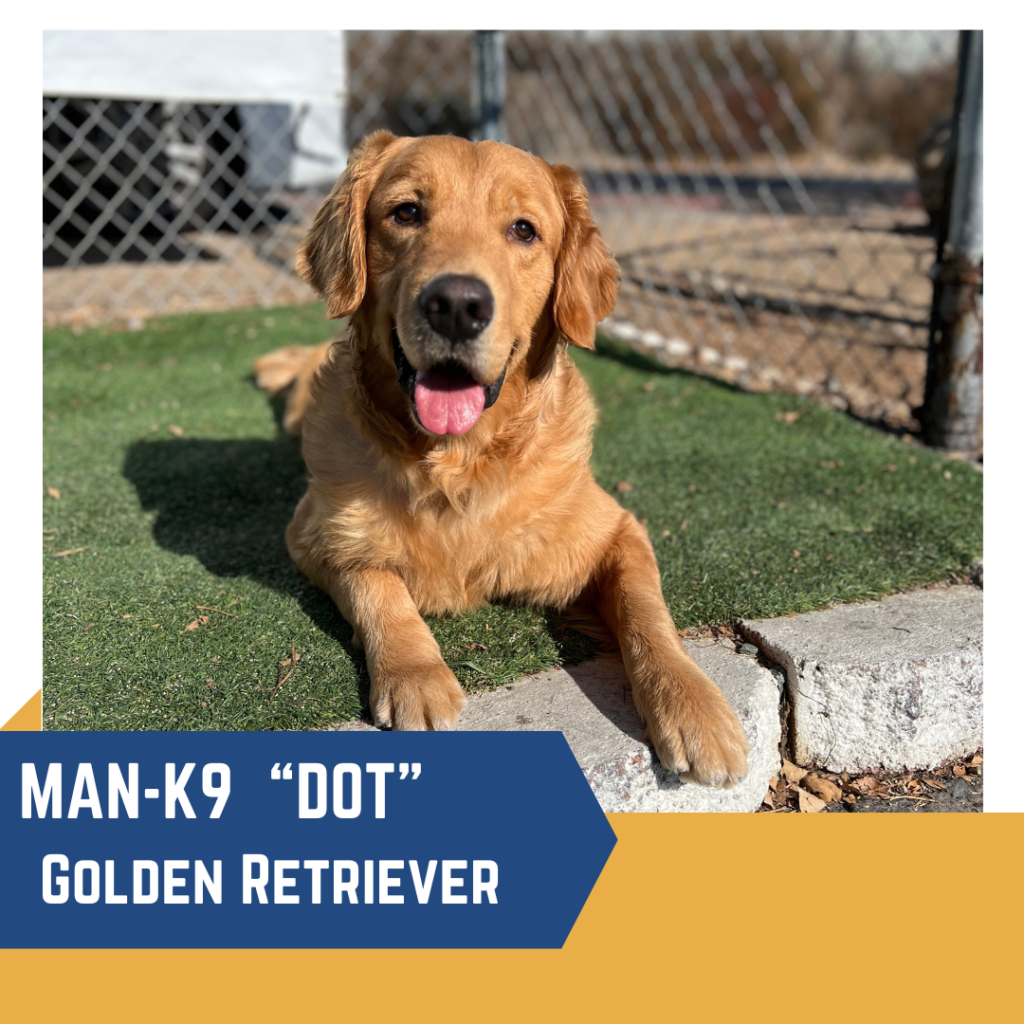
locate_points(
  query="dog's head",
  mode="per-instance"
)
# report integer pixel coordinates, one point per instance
(457, 254)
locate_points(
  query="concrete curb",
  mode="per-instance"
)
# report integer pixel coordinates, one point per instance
(888, 684)
(591, 704)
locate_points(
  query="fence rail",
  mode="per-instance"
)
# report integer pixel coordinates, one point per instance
(771, 197)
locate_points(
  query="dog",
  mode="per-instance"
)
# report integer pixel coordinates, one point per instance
(447, 434)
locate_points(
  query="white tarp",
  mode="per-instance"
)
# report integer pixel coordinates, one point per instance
(294, 67)
(301, 70)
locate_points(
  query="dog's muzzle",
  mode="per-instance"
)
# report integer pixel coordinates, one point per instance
(445, 399)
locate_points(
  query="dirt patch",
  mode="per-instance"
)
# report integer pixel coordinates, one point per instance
(835, 308)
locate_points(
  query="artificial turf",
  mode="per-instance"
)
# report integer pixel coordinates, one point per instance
(177, 485)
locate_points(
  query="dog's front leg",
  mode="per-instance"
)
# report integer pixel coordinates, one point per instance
(411, 687)
(689, 722)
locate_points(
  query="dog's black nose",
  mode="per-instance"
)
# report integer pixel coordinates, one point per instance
(457, 307)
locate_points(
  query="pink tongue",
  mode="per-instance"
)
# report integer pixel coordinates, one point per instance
(447, 406)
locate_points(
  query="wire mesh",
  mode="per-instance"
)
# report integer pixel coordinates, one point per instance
(167, 207)
(769, 195)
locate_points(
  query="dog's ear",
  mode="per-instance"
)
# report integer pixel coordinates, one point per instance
(332, 257)
(586, 275)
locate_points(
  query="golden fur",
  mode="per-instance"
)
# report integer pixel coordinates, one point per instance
(398, 522)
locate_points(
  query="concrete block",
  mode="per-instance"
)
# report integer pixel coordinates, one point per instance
(889, 684)
(591, 704)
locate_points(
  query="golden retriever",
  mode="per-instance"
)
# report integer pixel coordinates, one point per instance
(447, 434)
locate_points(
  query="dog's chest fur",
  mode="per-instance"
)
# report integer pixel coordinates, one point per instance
(463, 528)
(453, 558)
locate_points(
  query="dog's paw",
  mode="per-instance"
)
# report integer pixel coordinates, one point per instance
(425, 697)
(695, 732)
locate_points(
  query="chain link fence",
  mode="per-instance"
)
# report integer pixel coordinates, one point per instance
(770, 196)
(168, 207)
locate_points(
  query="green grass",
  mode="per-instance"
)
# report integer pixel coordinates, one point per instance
(730, 491)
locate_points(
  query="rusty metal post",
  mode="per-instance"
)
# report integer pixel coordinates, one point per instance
(952, 410)
(490, 85)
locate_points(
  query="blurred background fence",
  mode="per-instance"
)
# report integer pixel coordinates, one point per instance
(772, 197)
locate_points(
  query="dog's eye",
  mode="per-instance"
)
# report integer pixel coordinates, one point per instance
(407, 213)
(523, 230)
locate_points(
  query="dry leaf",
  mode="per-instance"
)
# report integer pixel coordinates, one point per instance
(788, 417)
(959, 771)
(623, 487)
(890, 468)
(976, 760)
(809, 803)
(773, 785)
(292, 659)
(828, 464)
(211, 684)
(282, 675)
(827, 791)
(176, 431)
(791, 772)
(935, 784)
(70, 551)
(868, 786)
(196, 623)
(53, 493)
(649, 386)
(849, 799)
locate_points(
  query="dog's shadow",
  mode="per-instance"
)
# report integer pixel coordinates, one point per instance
(227, 503)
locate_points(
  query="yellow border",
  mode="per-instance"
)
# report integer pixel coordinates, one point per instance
(888, 917)
(29, 718)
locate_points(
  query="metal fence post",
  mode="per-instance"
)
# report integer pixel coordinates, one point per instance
(490, 69)
(952, 409)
